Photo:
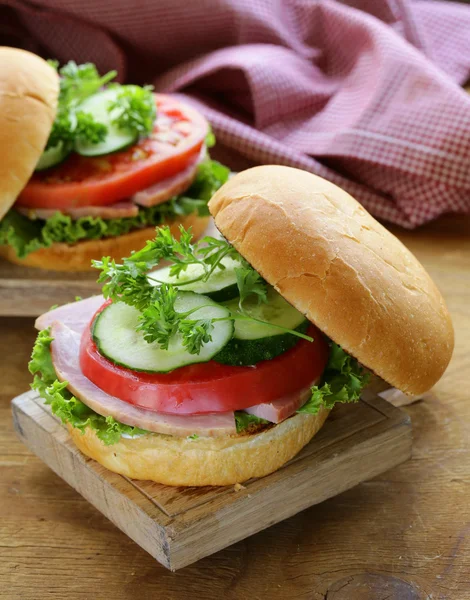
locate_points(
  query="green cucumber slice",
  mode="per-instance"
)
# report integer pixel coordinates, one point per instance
(52, 156)
(117, 138)
(241, 353)
(115, 335)
(276, 311)
(221, 286)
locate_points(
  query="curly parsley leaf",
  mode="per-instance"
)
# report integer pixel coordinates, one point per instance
(249, 283)
(343, 381)
(159, 320)
(63, 404)
(134, 109)
(88, 129)
(78, 82)
(196, 333)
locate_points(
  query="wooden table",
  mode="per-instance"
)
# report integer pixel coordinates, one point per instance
(402, 536)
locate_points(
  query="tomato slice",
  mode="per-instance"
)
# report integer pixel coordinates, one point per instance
(176, 140)
(208, 387)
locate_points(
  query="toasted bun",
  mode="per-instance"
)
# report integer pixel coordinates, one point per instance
(29, 90)
(205, 461)
(78, 257)
(336, 264)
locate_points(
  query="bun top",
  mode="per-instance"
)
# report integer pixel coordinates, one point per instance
(29, 90)
(336, 264)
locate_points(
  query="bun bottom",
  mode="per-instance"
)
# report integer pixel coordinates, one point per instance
(206, 461)
(78, 257)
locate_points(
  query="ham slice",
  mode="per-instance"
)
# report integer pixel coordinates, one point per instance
(118, 210)
(75, 316)
(279, 410)
(65, 351)
(172, 186)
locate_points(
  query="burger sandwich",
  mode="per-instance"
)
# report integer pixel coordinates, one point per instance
(221, 366)
(89, 167)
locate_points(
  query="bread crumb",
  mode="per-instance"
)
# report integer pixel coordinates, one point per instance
(238, 487)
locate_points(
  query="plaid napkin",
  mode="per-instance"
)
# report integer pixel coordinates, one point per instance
(363, 92)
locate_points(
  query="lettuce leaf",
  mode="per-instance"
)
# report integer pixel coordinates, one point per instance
(244, 421)
(27, 235)
(63, 404)
(343, 381)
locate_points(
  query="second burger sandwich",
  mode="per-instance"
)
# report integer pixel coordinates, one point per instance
(89, 167)
(222, 366)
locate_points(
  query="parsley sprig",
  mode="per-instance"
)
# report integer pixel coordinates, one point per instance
(77, 83)
(160, 320)
(134, 108)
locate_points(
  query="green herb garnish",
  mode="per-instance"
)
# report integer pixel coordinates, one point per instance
(77, 83)
(159, 320)
(134, 109)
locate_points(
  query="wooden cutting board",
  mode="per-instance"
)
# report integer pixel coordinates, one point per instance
(28, 292)
(179, 526)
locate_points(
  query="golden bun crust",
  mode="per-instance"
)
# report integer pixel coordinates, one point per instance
(77, 257)
(205, 461)
(29, 90)
(336, 264)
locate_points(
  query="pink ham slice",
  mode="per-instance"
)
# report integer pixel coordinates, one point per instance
(279, 410)
(75, 316)
(166, 189)
(65, 351)
(113, 211)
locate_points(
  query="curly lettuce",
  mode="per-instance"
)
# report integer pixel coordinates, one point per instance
(63, 404)
(343, 381)
(26, 235)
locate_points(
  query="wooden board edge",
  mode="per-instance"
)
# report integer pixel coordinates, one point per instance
(190, 536)
(103, 493)
(388, 443)
(31, 298)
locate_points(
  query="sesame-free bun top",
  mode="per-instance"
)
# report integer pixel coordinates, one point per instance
(29, 90)
(336, 264)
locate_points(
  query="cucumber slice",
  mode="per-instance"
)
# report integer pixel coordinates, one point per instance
(276, 311)
(117, 138)
(115, 335)
(52, 156)
(221, 286)
(241, 353)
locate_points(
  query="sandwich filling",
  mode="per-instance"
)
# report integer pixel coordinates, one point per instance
(203, 347)
(118, 158)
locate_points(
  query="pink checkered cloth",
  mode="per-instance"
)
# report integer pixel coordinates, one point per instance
(363, 92)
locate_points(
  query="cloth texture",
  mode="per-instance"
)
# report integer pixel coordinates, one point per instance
(366, 93)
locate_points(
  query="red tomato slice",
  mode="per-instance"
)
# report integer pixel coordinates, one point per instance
(208, 387)
(177, 138)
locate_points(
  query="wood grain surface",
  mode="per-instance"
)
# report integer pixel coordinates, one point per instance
(28, 292)
(180, 525)
(404, 535)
